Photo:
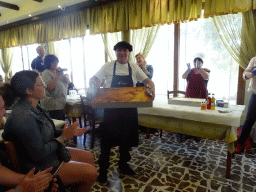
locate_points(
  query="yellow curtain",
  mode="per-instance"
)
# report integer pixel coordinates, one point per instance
(229, 29)
(222, 7)
(142, 40)
(53, 48)
(67, 26)
(133, 14)
(6, 61)
(239, 41)
(248, 37)
(110, 39)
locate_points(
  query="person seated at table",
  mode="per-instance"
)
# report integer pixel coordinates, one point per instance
(147, 69)
(197, 79)
(22, 183)
(35, 137)
(57, 88)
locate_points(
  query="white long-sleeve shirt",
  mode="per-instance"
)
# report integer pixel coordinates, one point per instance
(248, 75)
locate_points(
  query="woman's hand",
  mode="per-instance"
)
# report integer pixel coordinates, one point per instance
(189, 67)
(69, 131)
(35, 183)
(80, 131)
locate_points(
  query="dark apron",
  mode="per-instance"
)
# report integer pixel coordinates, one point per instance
(120, 125)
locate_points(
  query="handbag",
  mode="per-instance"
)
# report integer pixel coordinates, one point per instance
(63, 153)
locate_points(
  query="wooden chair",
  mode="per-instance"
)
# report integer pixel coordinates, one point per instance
(11, 152)
(175, 94)
(91, 117)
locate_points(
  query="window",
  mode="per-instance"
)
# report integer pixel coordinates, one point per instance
(161, 57)
(201, 36)
(94, 55)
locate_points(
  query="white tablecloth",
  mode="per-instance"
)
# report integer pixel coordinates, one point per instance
(193, 121)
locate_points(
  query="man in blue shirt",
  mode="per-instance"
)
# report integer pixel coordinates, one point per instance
(38, 62)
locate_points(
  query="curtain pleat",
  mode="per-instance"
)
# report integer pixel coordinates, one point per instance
(67, 26)
(6, 61)
(221, 7)
(135, 14)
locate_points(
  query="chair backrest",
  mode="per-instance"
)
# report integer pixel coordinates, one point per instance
(87, 110)
(11, 152)
(174, 93)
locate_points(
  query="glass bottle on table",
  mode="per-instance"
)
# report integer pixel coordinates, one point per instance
(209, 100)
(203, 105)
(213, 102)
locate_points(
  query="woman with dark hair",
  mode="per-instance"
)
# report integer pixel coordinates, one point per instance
(35, 137)
(57, 87)
(197, 79)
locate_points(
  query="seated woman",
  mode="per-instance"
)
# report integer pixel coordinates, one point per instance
(36, 139)
(197, 79)
(57, 88)
(21, 182)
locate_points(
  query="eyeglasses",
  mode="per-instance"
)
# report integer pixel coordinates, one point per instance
(42, 84)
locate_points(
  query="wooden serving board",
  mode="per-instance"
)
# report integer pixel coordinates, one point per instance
(125, 97)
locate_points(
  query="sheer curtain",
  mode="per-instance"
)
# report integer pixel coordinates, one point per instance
(110, 39)
(6, 61)
(237, 32)
(54, 48)
(142, 41)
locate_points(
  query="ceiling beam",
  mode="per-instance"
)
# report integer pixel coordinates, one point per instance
(9, 6)
(40, 1)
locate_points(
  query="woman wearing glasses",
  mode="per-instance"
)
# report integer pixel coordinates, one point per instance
(35, 137)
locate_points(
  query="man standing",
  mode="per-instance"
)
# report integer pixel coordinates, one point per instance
(38, 62)
(120, 125)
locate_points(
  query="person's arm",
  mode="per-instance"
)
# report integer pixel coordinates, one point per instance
(33, 64)
(151, 87)
(204, 74)
(9, 177)
(25, 183)
(49, 80)
(34, 183)
(185, 75)
(149, 71)
(95, 81)
(248, 71)
(25, 127)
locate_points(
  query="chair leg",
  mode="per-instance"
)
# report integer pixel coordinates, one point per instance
(148, 131)
(80, 121)
(161, 133)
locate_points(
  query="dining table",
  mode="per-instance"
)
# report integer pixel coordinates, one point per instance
(190, 120)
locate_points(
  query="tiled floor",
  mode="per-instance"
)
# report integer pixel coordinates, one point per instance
(165, 164)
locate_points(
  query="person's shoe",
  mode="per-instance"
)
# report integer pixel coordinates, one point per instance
(102, 178)
(126, 170)
(238, 147)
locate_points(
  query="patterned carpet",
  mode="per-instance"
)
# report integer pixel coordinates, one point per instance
(165, 164)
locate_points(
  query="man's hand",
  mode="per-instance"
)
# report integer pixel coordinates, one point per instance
(35, 183)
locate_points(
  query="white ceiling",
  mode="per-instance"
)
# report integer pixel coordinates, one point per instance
(32, 7)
